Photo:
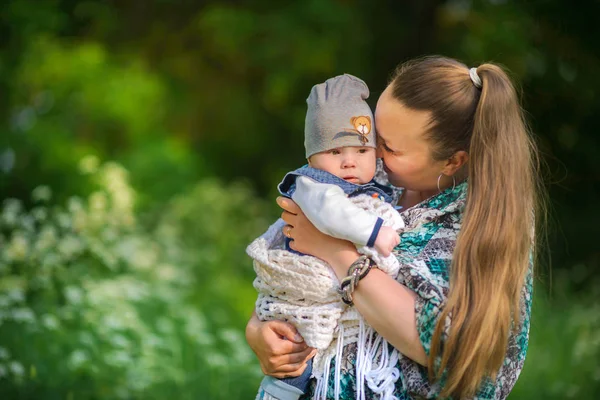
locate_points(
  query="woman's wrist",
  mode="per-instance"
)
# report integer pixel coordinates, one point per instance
(341, 260)
(251, 328)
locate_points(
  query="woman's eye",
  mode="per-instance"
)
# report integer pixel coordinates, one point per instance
(387, 148)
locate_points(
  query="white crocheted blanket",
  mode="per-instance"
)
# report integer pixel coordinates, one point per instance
(302, 290)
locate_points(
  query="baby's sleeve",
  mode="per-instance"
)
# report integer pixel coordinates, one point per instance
(331, 212)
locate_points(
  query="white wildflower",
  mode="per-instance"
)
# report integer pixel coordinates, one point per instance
(16, 295)
(134, 290)
(77, 359)
(80, 219)
(16, 368)
(39, 214)
(50, 322)
(4, 353)
(120, 341)
(87, 339)
(74, 295)
(50, 261)
(242, 353)
(118, 358)
(121, 194)
(46, 239)
(41, 194)
(11, 210)
(64, 220)
(70, 246)
(111, 235)
(98, 201)
(231, 336)
(112, 322)
(141, 255)
(23, 314)
(74, 204)
(122, 199)
(166, 272)
(18, 247)
(215, 359)
(28, 223)
(143, 260)
(89, 164)
(195, 328)
(151, 341)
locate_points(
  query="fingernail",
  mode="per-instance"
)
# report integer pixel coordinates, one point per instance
(298, 338)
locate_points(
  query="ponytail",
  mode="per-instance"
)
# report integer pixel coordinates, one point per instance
(492, 253)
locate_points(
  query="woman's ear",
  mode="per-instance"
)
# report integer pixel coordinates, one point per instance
(456, 162)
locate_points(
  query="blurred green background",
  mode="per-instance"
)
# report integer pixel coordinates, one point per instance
(141, 143)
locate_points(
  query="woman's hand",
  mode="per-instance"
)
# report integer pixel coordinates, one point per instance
(309, 240)
(280, 349)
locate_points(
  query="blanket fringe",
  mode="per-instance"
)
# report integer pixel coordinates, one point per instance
(375, 366)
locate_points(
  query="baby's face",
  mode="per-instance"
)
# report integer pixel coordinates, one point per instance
(353, 164)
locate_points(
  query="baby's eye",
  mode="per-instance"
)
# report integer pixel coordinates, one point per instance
(362, 151)
(335, 152)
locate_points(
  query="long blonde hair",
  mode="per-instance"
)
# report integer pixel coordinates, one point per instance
(496, 239)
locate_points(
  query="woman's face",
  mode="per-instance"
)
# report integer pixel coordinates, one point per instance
(403, 147)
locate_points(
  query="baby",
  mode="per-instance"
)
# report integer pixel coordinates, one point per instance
(340, 148)
(340, 145)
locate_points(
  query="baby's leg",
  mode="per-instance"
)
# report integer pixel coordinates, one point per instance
(287, 388)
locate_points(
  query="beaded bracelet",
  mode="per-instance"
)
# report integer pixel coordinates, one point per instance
(357, 271)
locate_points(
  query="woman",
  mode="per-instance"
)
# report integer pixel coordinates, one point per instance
(455, 140)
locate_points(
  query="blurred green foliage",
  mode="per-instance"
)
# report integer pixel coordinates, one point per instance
(141, 143)
(95, 306)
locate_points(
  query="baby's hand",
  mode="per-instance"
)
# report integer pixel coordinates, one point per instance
(386, 240)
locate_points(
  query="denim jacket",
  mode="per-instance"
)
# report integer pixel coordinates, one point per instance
(324, 197)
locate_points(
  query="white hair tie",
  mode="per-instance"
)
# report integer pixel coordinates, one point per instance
(475, 78)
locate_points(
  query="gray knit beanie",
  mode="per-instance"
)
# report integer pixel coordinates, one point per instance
(338, 115)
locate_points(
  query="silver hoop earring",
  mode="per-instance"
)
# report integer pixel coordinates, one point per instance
(453, 182)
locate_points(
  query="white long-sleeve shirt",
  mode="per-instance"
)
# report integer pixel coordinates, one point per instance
(329, 209)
